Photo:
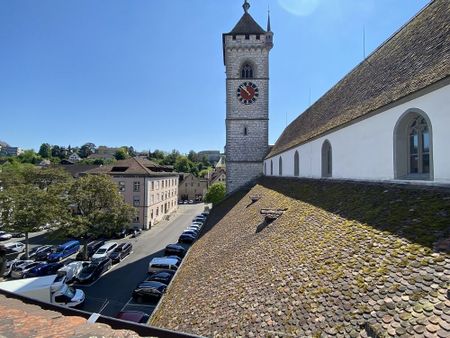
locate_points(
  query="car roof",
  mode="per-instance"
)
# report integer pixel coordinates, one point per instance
(108, 245)
(12, 244)
(164, 260)
(151, 284)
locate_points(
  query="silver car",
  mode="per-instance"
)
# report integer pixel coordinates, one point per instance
(20, 268)
(72, 270)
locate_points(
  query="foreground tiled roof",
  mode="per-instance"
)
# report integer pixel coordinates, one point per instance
(414, 58)
(18, 319)
(344, 259)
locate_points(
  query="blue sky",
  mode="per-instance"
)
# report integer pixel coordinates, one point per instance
(150, 73)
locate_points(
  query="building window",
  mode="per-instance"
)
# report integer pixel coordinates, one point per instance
(247, 36)
(271, 167)
(247, 71)
(296, 164)
(258, 37)
(245, 131)
(136, 201)
(136, 219)
(280, 166)
(136, 186)
(413, 150)
(121, 186)
(327, 159)
(153, 185)
(234, 37)
(162, 184)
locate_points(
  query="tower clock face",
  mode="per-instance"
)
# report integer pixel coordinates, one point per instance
(247, 93)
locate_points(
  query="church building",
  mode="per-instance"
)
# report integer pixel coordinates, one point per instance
(387, 120)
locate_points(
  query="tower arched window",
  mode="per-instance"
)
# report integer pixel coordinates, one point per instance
(245, 131)
(280, 166)
(327, 159)
(296, 164)
(413, 147)
(247, 71)
(271, 167)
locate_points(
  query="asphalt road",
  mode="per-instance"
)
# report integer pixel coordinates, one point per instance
(112, 292)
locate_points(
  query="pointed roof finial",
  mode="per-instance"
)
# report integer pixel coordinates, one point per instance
(268, 19)
(246, 6)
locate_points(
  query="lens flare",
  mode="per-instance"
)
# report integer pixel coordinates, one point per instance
(299, 7)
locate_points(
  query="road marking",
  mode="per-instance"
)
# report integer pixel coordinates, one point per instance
(129, 300)
(104, 306)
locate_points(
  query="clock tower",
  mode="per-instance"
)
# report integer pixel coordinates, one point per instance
(246, 56)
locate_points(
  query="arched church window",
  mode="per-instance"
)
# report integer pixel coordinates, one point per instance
(271, 167)
(247, 72)
(296, 164)
(327, 159)
(280, 166)
(413, 147)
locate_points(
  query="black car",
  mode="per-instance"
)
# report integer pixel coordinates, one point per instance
(134, 232)
(119, 253)
(92, 247)
(94, 270)
(17, 234)
(43, 269)
(186, 238)
(149, 291)
(122, 233)
(43, 254)
(175, 249)
(163, 277)
(33, 252)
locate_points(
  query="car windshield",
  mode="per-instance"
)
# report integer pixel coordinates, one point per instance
(100, 251)
(59, 249)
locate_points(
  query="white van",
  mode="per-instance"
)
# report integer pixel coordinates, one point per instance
(104, 251)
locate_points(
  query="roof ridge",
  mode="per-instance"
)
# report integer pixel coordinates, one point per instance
(142, 165)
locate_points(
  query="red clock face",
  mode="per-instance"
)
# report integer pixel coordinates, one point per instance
(247, 93)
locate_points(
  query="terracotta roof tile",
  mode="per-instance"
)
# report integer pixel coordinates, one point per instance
(417, 56)
(344, 259)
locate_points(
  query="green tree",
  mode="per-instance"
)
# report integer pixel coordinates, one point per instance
(45, 150)
(29, 156)
(86, 150)
(183, 165)
(215, 193)
(121, 154)
(193, 156)
(100, 208)
(26, 207)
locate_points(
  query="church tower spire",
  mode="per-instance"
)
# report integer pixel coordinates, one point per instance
(268, 20)
(246, 6)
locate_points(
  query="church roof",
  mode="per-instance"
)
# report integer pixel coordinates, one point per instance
(247, 25)
(342, 259)
(415, 57)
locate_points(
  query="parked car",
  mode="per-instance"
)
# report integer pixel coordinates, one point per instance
(72, 270)
(199, 220)
(175, 249)
(160, 263)
(205, 214)
(64, 250)
(120, 252)
(92, 247)
(94, 270)
(163, 277)
(134, 232)
(33, 252)
(8, 268)
(14, 247)
(17, 234)
(43, 269)
(194, 229)
(191, 232)
(196, 226)
(19, 269)
(133, 316)
(105, 250)
(43, 254)
(122, 233)
(149, 291)
(4, 236)
(191, 201)
(186, 238)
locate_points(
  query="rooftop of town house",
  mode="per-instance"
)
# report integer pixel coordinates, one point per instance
(342, 259)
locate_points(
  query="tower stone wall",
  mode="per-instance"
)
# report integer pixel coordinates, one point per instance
(247, 125)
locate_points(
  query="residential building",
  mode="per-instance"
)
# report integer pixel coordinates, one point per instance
(192, 187)
(10, 151)
(74, 158)
(217, 176)
(147, 186)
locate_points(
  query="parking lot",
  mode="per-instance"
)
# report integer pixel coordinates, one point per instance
(111, 293)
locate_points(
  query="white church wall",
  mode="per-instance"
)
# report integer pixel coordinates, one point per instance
(365, 150)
